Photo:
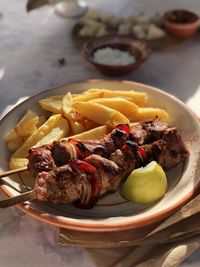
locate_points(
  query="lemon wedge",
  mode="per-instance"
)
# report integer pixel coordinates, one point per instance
(146, 184)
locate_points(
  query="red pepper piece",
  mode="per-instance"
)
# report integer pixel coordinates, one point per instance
(124, 127)
(95, 182)
(142, 153)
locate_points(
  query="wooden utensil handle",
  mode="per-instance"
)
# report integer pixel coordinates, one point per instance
(30, 195)
(15, 171)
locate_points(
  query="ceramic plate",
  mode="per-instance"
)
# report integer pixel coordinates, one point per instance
(113, 213)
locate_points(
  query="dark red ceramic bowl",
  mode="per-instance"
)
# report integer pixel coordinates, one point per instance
(138, 48)
(181, 23)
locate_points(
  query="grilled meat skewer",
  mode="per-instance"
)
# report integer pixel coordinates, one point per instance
(83, 182)
(47, 157)
(59, 153)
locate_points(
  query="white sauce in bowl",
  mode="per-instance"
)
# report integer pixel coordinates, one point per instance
(114, 57)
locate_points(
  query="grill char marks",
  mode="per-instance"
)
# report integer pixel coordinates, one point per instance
(177, 151)
(148, 131)
(40, 159)
(62, 185)
(62, 152)
(108, 171)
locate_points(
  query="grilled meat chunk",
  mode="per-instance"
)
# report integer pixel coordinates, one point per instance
(148, 131)
(108, 170)
(40, 159)
(62, 185)
(62, 152)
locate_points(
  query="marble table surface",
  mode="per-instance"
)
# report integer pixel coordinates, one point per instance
(30, 46)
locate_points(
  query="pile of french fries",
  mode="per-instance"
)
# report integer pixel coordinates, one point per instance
(84, 116)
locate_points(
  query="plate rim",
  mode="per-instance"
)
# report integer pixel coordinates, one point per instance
(75, 224)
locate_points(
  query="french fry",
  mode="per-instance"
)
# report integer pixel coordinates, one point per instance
(67, 106)
(59, 131)
(92, 134)
(150, 113)
(26, 128)
(76, 127)
(11, 135)
(43, 130)
(13, 145)
(139, 98)
(42, 120)
(27, 124)
(99, 113)
(52, 104)
(16, 163)
(122, 105)
(87, 96)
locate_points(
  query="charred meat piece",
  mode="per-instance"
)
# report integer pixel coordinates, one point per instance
(108, 170)
(165, 154)
(62, 152)
(148, 131)
(77, 182)
(176, 149)
(62, 185)
(40, 159)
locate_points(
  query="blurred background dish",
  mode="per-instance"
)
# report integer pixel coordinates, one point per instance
(70, 8)
(124, 53)
(181, 23)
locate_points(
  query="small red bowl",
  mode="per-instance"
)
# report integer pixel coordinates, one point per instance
(181, 23)
(138, 48)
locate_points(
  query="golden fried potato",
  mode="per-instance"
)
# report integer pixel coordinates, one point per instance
(150, 113)
(13, 145)
(90, 134)
(60, 130)
(11, 135)
(52, 104)
(36, 136)
(139, 98)
(28, 124)
(76, 127)
(122, 105)
(42, 120)
(87, 96)
(99, 113)
(16, 163)
(67, 106)
(26, 128)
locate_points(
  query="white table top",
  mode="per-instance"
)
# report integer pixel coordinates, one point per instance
(30, 47)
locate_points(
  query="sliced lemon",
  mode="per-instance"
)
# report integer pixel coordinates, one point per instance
(146, 184)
